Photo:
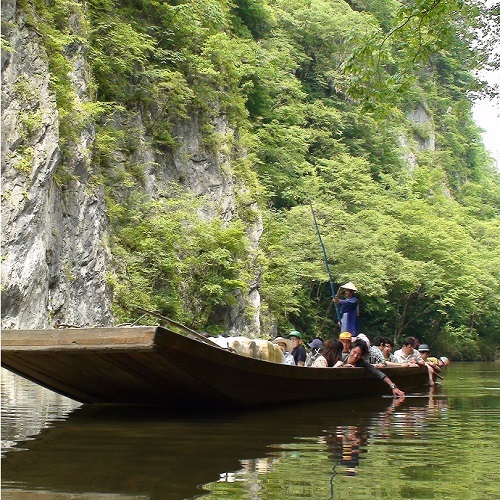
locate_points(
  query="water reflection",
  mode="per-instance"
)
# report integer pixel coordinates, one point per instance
(147, 452)
(377, 447)
(344, 446)
(27, 408)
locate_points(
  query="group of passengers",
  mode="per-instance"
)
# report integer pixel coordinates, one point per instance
(348, 351)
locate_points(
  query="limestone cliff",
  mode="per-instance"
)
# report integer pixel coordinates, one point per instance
(55, 251)
(110, 109)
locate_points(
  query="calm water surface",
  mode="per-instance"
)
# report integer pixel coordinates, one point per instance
(443, 445)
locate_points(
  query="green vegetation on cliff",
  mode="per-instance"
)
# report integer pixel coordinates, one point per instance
(363, 108)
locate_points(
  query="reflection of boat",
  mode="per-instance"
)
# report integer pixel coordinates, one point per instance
(156, 365)
(151, 453)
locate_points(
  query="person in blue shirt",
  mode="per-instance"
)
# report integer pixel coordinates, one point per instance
(349, 321)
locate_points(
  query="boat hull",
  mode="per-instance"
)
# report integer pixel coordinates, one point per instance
(154, 365)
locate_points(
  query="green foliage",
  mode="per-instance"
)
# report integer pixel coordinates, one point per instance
(63, 175)
(323, 32)
(168, 93)
(383, 10)
(24, 159)
(461, 343)
(58, 35)
(118, 51)
(395, 231)
(423, 35)
(170, 259)
(30, 123)
(4, 44)
(320, 97)
(253, 15)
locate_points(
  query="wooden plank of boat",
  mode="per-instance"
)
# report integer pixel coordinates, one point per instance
(154, 365)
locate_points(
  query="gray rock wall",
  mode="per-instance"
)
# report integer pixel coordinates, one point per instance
(55, 255)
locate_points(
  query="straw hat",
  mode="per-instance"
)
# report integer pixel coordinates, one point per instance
(349, 286)
(287, 342)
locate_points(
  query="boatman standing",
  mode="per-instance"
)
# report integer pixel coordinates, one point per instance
(349, 321)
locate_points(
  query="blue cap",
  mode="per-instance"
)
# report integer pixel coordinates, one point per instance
(315, 344)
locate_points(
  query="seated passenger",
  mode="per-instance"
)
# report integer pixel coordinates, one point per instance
(316, 347)
(436, 361)
(286, 347)
(358, 351)
(445, 360)
(424, 351)
(363, 337)
(390, 359)
(299, 351)
(346, 339)
(407, 355)
(316, 343)
(375, 356)
(330, 356)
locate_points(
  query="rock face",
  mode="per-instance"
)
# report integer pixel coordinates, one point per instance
(422, 139)
(54, 251)
(425, 136)
(55, 229)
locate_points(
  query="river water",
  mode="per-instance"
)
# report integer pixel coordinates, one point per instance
(442, 444)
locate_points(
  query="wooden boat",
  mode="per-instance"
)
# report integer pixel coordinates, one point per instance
(155, 365)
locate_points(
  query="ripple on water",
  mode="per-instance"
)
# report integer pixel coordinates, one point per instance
(28, 408)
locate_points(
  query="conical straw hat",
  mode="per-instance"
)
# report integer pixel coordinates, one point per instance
(349, 286)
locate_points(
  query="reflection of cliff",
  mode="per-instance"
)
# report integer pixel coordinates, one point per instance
(31, 408)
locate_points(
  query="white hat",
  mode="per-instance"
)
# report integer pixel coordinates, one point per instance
(349, 286)
(363, 337)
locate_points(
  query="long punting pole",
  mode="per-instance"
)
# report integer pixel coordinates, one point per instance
(332, 287)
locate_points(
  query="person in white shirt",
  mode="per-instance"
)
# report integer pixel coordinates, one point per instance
(408, 354)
